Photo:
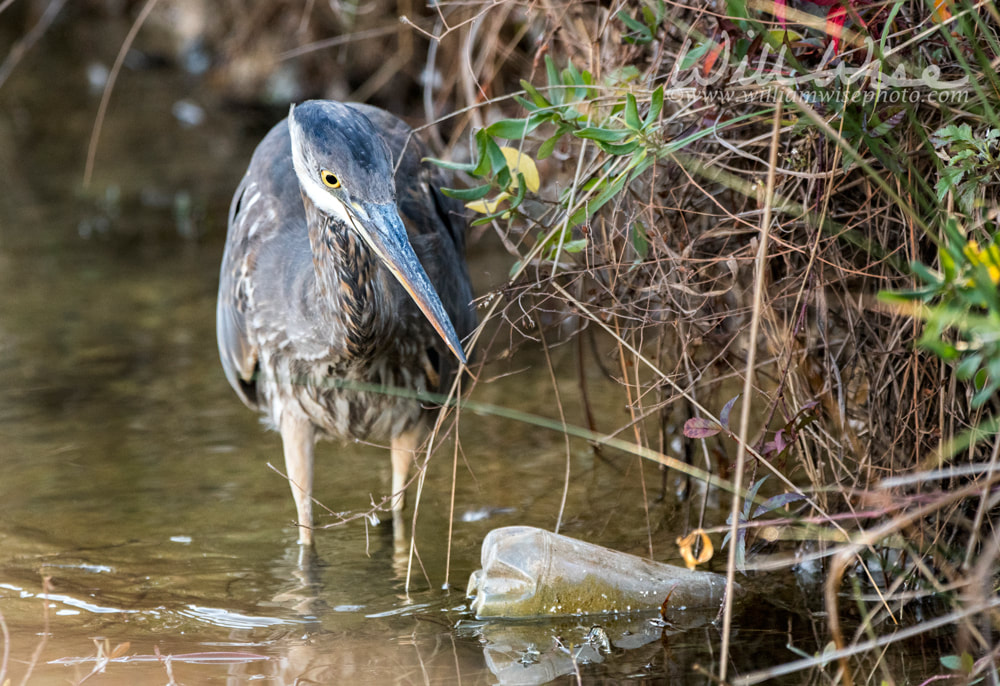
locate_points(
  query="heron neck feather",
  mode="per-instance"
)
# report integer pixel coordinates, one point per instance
(349, 281)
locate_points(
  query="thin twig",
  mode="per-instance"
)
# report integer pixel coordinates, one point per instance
(46, 587)
(22, 46)
(562, 420)
(6, 650)
(741, 451)
(102, 109)
(451, 499)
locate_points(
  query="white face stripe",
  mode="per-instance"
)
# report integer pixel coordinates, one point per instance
(325, 201)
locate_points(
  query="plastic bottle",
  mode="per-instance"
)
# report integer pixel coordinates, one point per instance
(529, 572)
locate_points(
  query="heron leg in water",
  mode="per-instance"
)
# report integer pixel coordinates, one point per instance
(403, 448)
(299, 438)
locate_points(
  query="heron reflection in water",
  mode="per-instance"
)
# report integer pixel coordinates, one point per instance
(344, 273)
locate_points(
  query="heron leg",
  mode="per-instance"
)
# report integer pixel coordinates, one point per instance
(404, 448)
(299, 439)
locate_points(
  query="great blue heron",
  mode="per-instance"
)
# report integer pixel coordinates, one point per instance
(338, 281)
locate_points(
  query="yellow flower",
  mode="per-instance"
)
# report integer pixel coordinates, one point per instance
(972, 252)
(988, 257)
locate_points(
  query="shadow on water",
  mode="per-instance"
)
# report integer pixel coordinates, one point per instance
(138, 484)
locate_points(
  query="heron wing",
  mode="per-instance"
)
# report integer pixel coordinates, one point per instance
(266, 212)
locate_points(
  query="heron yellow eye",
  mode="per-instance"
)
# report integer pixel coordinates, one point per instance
(330, 179)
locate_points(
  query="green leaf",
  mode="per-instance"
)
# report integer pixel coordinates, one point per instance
(923, 294)
(485, 220)
(968, 663)
(552, 75)
(522, 187)
(655, 107)
(576, 245)
(946, 351)
(980, 380)
(596, 133)
(529, 106)
(924, 274)
(992, 373)
(968, 366)
(619, 149)
(952, 134)
(639, 241)
(980, 398)
(498, 161)
(535, 96)
(453, 166)
(642, 32)
(513, 129)
(950, 178)
(504, 177)
(632, 113)
(652, 18)
(571, 75)
(549, 144)
(694, 54)
(483, 164)
(956, 239)
(468, 193)
(737, 9)
(947, 265)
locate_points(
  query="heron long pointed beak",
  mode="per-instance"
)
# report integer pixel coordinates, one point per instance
(383, 231)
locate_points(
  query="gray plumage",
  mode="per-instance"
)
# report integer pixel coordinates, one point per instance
(310, 295)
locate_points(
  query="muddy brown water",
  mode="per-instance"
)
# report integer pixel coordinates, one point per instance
(138, 485)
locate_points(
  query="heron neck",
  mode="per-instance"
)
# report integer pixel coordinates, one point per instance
(349, 281)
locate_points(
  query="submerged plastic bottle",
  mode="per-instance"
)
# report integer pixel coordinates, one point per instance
(529, 572)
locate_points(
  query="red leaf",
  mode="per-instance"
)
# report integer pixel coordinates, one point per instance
(835, 25)
(710, 59)
(696, 427)
(779, 12)
(779, 440)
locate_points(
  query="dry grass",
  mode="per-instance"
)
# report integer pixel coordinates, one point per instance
(666, 268)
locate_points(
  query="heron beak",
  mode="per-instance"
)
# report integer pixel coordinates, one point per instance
(383, 231)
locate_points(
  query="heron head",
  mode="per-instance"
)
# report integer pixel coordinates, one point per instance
(345, 168)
